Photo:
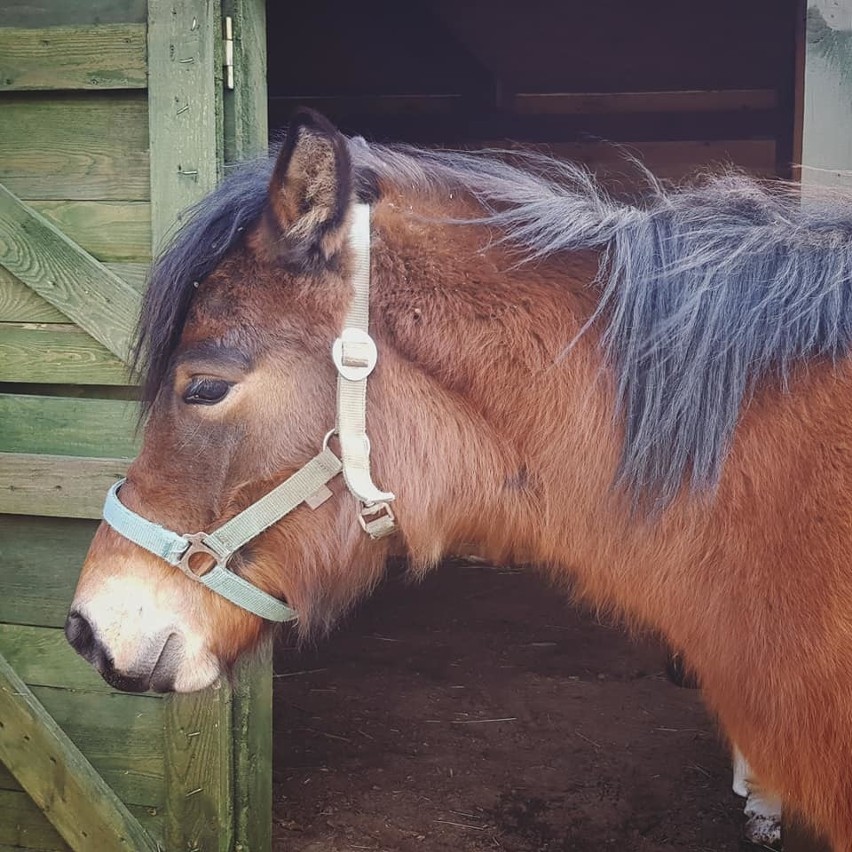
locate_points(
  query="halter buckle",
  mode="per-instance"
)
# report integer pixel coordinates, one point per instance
(354, 354)
(197, 544)
(377, 519)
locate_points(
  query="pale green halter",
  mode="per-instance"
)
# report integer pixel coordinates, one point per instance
(354, 354)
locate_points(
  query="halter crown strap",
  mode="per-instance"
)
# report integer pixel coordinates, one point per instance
(355, 355)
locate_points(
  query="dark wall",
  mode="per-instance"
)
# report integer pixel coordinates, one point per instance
(457, 71)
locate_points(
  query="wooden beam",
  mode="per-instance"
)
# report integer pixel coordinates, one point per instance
(544, 103)
(81, 806)
(106, 56)
(20, 304)
(23, 825)
(56, 486)
(253, 752)
(68, 277)
(689, 100)
(246, 135)
(245, 106)
(182, 105)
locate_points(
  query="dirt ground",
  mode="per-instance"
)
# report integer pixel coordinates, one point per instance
(479, 711)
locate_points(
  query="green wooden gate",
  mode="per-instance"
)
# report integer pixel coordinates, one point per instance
(114, 116)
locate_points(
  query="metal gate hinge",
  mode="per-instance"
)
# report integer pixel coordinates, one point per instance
(228, 52)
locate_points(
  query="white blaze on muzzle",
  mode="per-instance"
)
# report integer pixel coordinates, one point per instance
(355, 355)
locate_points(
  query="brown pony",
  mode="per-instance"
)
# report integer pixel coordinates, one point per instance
(650, 400)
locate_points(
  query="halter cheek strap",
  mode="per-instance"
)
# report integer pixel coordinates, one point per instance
(355, 355)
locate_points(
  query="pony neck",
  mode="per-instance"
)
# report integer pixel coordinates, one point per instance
(480, 418)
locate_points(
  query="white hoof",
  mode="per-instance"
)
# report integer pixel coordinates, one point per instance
(763, 830)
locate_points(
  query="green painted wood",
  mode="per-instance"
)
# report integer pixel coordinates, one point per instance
(199, 770)
(20, 304)
(65, 786)
(44, 258)
(245, 108)
(186, 150)
(135, 274)
(121, 736)
(22, 824)
(18, 812)
(182, 98)
(50, 353)
(253, 753)
(111, 231)
(827, 127)
(100, 428)
(246, 136)
(75, 146)
(49, 13)
(56, 486)
(40, 561)
(107, 56)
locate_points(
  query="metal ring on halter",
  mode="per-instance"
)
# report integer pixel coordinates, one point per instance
(327, 438)
(197, 543)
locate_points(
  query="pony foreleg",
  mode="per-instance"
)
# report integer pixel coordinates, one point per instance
(762, 808)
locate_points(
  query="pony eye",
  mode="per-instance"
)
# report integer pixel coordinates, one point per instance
(206, 391)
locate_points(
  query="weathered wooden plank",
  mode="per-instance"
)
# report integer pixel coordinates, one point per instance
(245, 106)
(106, 56)
(199, 770)
(56, 486)
(695, 100)
(76, 146)
(186, 151)
(50, 353)
(101, 428)
(65, 786)
(23, 824)
(48, 13)
(40, 560)
(253, 752)
(111, 231)
(68, 277)
(120, 735)
(135, 274)
(182, 99)
(672, 160)
(246, 135)
(20, 304)
(533, 103)
(20, 816)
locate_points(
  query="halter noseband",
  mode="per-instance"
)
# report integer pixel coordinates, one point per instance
(354, 354)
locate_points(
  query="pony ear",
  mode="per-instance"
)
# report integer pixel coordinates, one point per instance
(311, 188)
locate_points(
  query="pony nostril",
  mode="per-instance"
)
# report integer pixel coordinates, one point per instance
(82, 639)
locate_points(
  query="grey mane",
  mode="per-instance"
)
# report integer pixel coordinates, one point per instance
(704, 290)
